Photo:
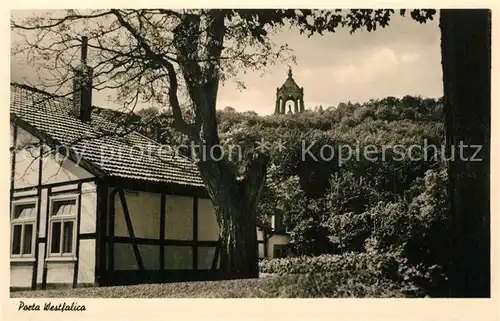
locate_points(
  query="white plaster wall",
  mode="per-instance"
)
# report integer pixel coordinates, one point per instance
(276, 239)
(60, 272)
(178, 257)
(87, 225)
(39, 276)
(26, 163)
(64, 188)
(124, 257)
(260, 238)
(21, 274)
(56, 168)
(32, 192)
(178, 217)
(26, 174)
(144, 210)
(261, 250)
(89, 208)
(150, 256)
(24, 139)
(43, 213)
(260, 234)
(208, 228)
(86, 263)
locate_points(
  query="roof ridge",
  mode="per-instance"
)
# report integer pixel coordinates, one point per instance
(31, 88)
(34, 89)
(159, 144)
(142, 136)
(52, 95)
(61, 126)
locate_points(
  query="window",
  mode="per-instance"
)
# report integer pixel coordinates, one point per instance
(62, 231)
(280, 250)
(23, 221)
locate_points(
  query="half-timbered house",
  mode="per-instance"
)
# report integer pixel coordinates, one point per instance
(91, 208)
(96, 204)
(273, 239)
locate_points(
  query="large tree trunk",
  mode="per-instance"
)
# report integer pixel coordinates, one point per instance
(235, 203)
(238, 243)
(466, 62)
(235, 200)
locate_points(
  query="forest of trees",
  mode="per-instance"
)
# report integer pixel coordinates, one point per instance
(141, 51)
(334, 207)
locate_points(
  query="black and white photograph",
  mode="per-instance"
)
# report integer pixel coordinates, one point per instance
(249, 153)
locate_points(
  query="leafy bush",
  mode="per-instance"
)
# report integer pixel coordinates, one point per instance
(350, 230)
(366, 269)
(308, 237)
(339, 285)
(419, 225)
(348, 193)
(327, 263)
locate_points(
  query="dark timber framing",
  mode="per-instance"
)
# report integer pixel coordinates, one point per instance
(17, 198)
(265, 239)
(79, 236)
(162, 234)
(110, 237)
(195, 233)
(159, 187)
(100, 235)
(106, 189)
(130, 229)
(47, 215)
(53, 185)
(162, 274)
(267, 233)
(216, 255)
(54, 143)
(38, 210)
(77, 245)
(150, 241)
(104, 235)
(68, 191)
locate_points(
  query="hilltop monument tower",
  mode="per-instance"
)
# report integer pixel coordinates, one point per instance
(289, 91)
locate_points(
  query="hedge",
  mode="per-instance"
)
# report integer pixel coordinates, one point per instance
(331, 263)
(364, 268)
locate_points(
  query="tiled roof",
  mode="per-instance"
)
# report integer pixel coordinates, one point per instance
(129, 155)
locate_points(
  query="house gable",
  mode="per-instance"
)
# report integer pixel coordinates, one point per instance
(56, 167)
(101, 146)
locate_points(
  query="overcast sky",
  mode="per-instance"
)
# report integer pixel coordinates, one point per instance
(401, 59)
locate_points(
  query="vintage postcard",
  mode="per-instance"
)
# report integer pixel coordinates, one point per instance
(261, 153)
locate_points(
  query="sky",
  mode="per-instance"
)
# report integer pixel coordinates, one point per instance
(401, 59)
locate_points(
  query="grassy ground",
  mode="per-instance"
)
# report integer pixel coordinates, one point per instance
(292, 286)
(262, 287)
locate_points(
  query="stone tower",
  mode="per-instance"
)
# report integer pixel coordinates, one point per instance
(289, 91)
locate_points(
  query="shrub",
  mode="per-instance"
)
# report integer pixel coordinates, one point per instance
(351, 230)
(348, 193)
(350, 285)
(419, 226)
(308, 237)
(366, 269)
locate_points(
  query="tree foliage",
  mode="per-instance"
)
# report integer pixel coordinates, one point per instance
(170, 58)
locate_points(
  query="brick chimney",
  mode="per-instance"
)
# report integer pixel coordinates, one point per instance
(82, 86)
